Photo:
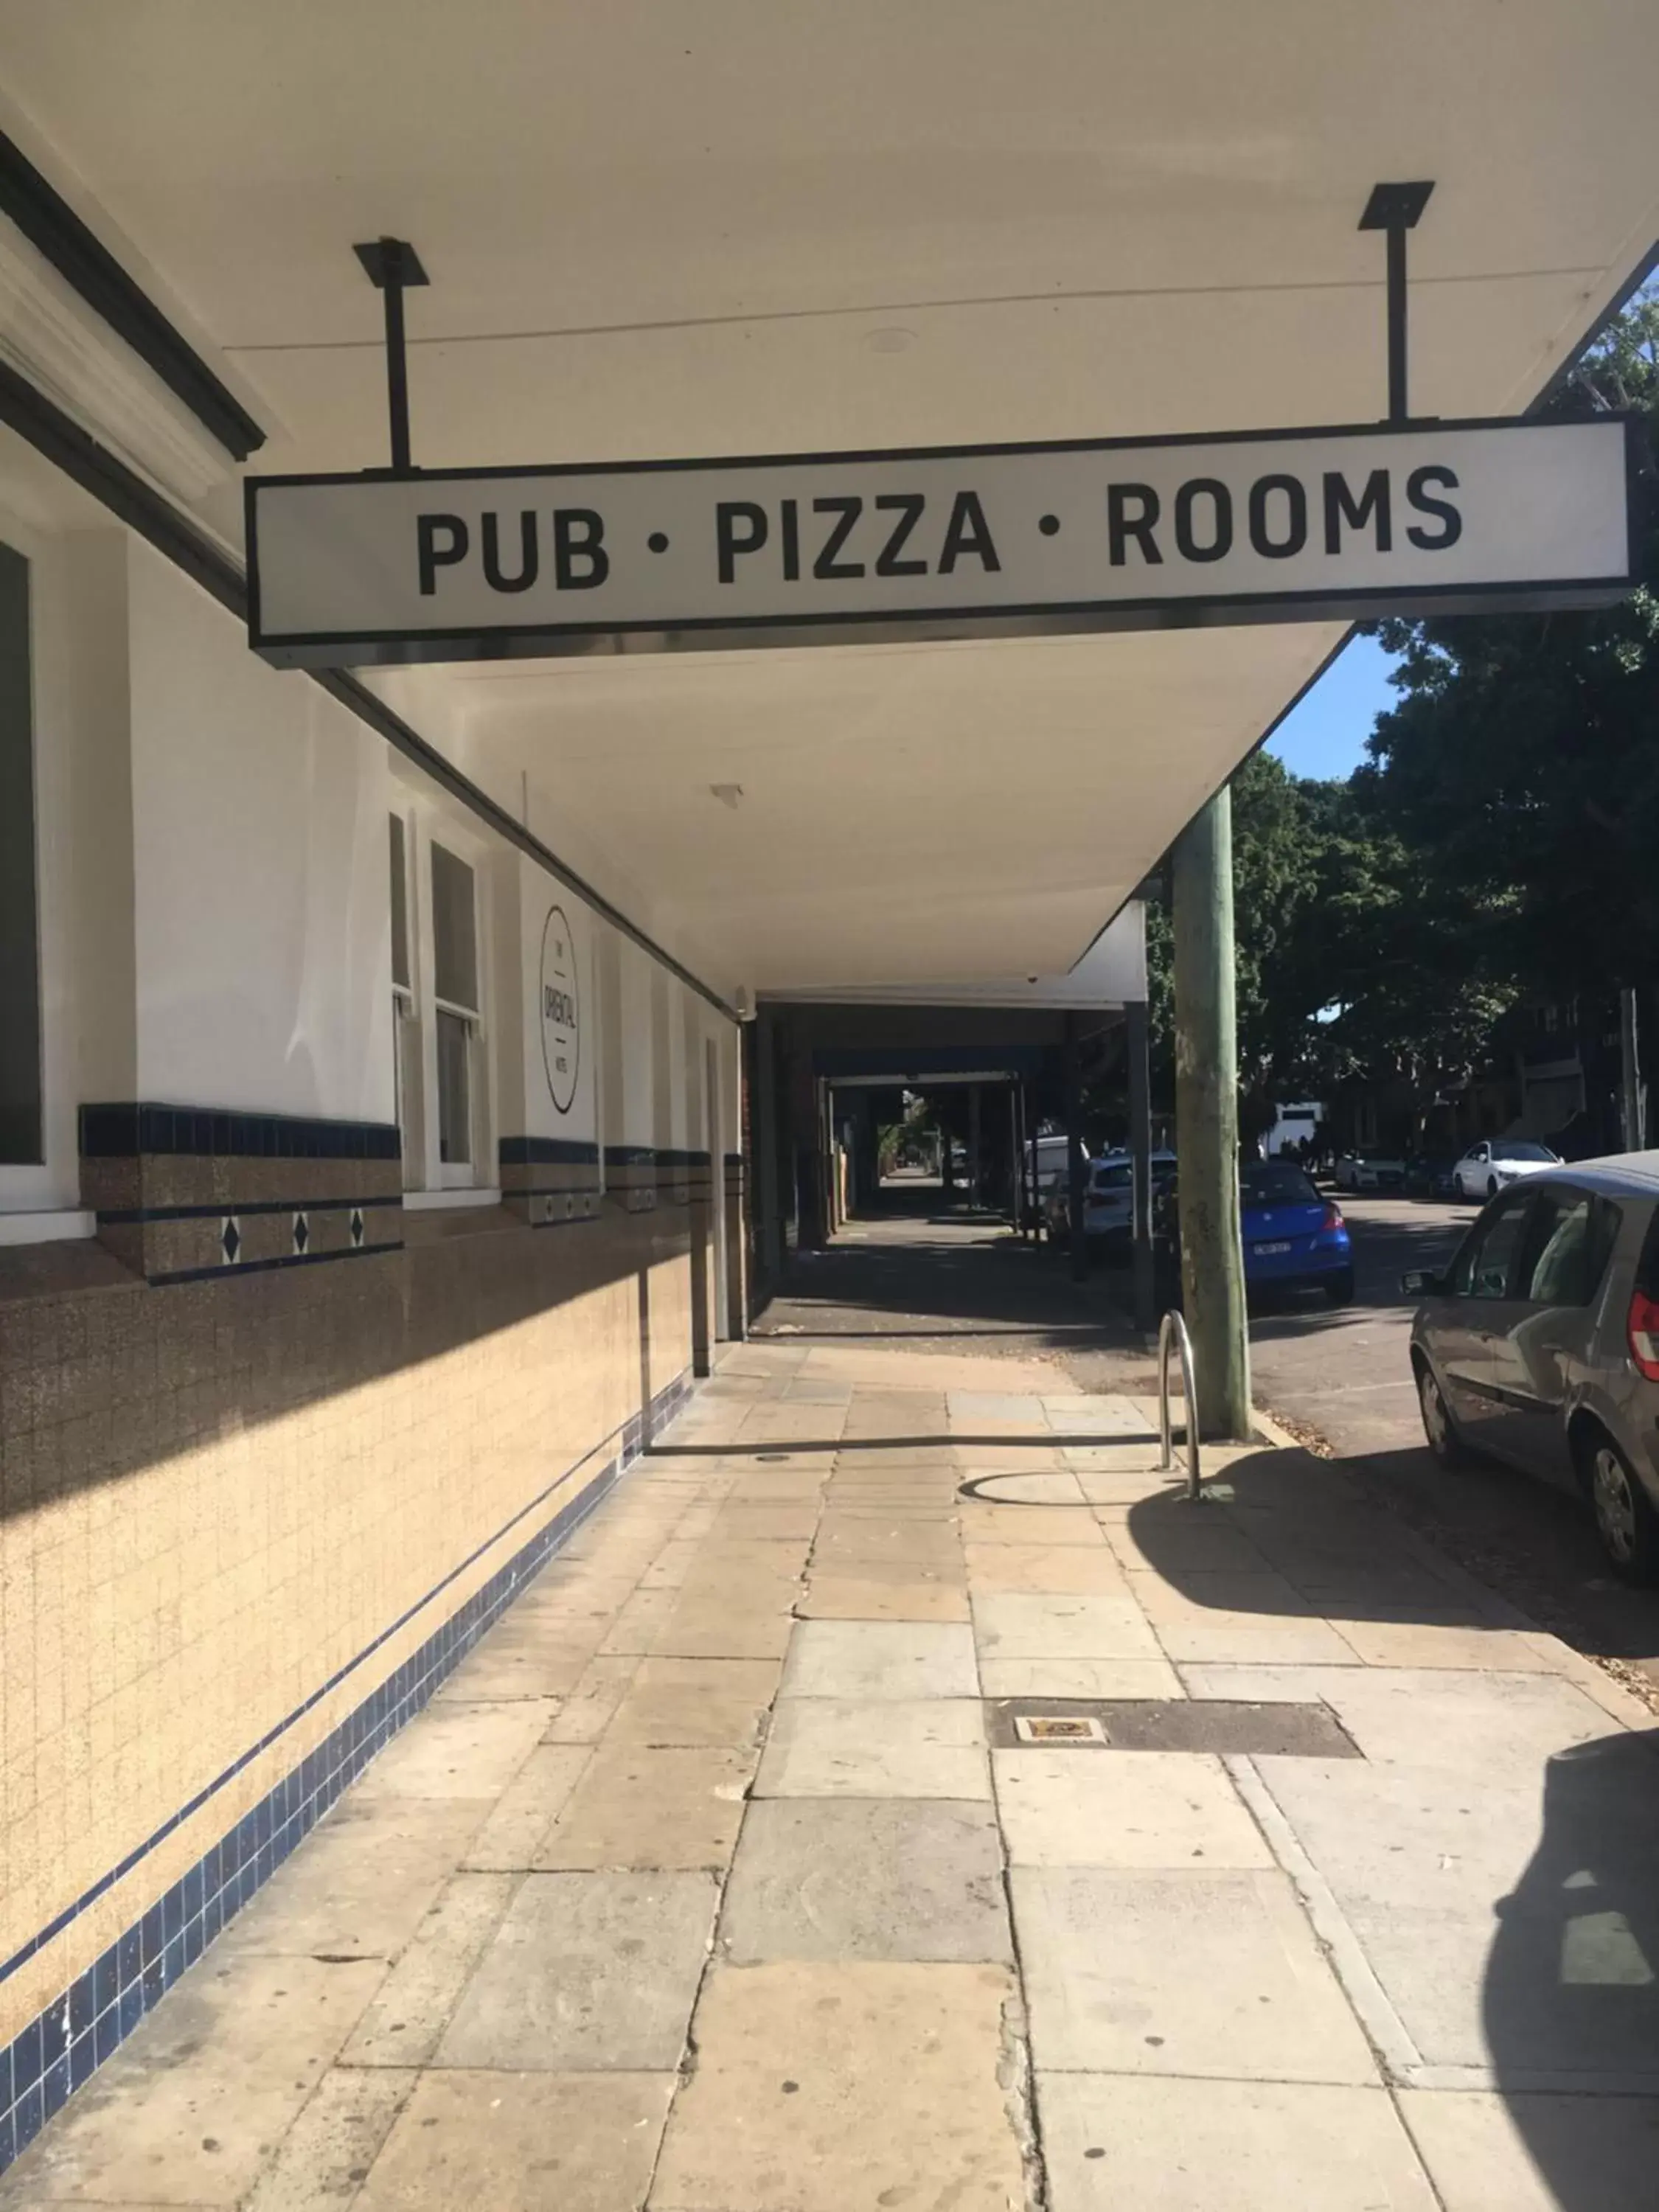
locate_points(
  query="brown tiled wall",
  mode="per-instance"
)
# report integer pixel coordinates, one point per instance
(327, 1191)
(215, 1494)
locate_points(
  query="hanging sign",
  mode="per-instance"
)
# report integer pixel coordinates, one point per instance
(989, 540)
(561, 1010)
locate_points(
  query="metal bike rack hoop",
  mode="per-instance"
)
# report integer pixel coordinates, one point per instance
(1172, 1330)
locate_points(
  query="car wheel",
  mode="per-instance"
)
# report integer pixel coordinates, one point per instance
(1625, 1519)
(1491, 1186)
(1445, 1440)
(1339, 1289)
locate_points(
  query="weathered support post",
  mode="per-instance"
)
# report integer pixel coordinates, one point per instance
(1016, 1174)
(1206, 1118)
(1140, 1149)
(1630, 1116)
(975, 1144)
(1076, 1179)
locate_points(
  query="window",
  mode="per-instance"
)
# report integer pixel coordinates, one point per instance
(400, 970)
(1487, 1265)
(1274, 1182)
(405, 1013)
(1569, 1239)
(21, 1136)
(456, 1002)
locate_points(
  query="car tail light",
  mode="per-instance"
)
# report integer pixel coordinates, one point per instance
(1643, 1326)
(1332, 1216)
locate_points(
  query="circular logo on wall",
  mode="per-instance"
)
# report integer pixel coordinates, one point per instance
(561, 1011)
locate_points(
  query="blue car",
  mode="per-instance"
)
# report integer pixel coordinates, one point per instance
(1293, 1238)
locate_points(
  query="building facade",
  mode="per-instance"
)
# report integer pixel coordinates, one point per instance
(363, 1206)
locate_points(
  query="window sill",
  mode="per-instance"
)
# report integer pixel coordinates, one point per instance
(45, 1227)
(423, 1201)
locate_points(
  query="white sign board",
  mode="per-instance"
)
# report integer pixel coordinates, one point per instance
(554, 930)
(560, 1006)
(459, 564)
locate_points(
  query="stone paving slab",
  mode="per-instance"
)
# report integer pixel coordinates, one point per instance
(1526, 2153)
(849, 1597)
(370, 1872)
(407, 2017)
(829, 1748)
(1176, 2146)
(506, 2142)
(820, 2088)
(858, 1660)
(1020, 1625)
(1196, 1974)
(1035, 1680)
(717, 1702)
(639, 1807)
(861, 1878)
(1050, 1570)
(337, 2138)
(587, 1973)
(1075, 1807)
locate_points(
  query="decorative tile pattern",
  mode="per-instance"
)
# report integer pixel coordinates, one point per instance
(182, 1193)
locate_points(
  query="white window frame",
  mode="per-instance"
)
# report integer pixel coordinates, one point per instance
(408, 1103)
(41, 1200)
(477, 1175)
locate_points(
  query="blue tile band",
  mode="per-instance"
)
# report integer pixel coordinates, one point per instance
(59, 2049)
(121, 1131)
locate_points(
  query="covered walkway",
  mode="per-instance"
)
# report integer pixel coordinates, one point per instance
(911, 1265)
(735, 1869)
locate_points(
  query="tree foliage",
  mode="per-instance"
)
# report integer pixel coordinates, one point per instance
(1523, 759)
(1502, 842)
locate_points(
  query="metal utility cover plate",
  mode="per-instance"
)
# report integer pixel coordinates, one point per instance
(1211, 1725)
(1057, 1728)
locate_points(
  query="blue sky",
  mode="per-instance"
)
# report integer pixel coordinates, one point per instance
(1326, 735)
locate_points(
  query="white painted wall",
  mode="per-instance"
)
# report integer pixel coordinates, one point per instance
(639, 1053)
(260, 876)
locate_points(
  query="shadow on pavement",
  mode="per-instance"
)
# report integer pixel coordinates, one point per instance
(1307, 1542)
(960, 1275)
(1520, 1942)
(1530, 1540)
(1572, 1984)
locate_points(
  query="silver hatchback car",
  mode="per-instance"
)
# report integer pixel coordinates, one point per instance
(1539, 1344)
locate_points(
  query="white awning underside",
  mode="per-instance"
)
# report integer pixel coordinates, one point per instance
(745, 226)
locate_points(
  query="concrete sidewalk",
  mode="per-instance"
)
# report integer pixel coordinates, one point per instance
(737, 1872)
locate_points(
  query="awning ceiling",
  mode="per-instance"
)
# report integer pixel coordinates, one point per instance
(748, 225)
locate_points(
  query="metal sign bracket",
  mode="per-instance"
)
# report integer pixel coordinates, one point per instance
(391, 264)
(1394, 209)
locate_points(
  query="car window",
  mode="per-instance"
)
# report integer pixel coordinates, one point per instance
(1486, 1266)
(1114, 1178)
(1569, 1237)
(1275, 1182)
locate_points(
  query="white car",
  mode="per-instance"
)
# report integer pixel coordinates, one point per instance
(1368, 1171)
(1487, 1168)
(1108, 1198)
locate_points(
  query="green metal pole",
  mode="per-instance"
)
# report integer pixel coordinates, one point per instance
(1206, 1119)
